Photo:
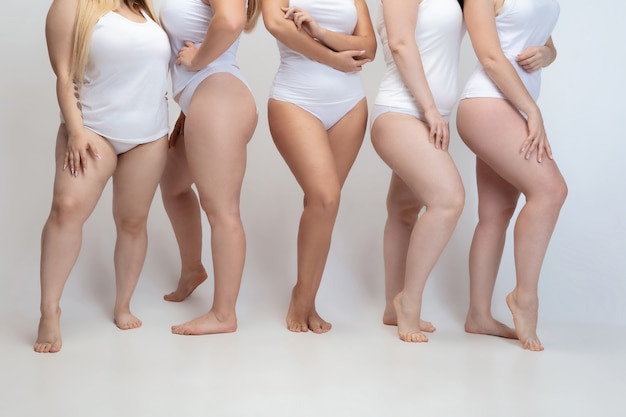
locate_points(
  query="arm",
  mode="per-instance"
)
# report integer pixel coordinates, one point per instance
(536, 57)
(363, 37)
(286, 32)
(480, 21)
(225, 27)
(401, 17)
(60, 40)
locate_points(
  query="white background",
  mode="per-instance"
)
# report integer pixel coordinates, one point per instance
(583, 278)
(583, 283)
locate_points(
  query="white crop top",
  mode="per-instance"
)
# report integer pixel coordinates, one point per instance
(520, 24)
(438, 33)
(188, 20)
(123, 96)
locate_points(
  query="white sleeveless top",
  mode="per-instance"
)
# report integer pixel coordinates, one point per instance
(520, 24)
(438, 33)
(123, 96)
(300, 79)
(188, 20)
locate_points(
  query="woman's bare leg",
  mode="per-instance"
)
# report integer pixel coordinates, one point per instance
(74, 199)
(494, 130)
(183, 209)
(320, 160)
(431, 176)
(220, 123)
(497, 201)
(134, 184)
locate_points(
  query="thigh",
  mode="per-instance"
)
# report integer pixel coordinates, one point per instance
(494, 130)
(402, 141)
(346, 138)
(220, 122)
(136, 178)
(304, 144)
(496, 196)
(81, 193)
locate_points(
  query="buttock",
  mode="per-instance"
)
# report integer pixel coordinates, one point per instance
(184, 98)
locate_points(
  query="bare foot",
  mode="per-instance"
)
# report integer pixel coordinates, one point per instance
(488, 326)
(187, 284)
(49, 333)
(525, 320)
(390, 319)
(208, 323)
(408, 316)
(125, 320)
(301, 317)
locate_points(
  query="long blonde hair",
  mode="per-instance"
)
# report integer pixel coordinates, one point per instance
(254, 10)
(88, 13)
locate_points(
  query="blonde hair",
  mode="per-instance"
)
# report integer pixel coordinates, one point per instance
(88, 13)
(254, 10)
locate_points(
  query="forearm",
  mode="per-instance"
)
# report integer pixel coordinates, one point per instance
(505, 77)
(286, 32)
(68, 97)
(409, 63)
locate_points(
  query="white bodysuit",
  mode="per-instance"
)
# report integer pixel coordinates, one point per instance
(123, 96)
(323, 91)
(520, 24)
(188, 20)
(438, 34)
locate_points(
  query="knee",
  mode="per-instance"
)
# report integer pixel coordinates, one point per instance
(450, 204)
(551, 195)
(496, 217)
(325, 202)
(402, 212)
(130, 224)
(66, 209)
(224, 216)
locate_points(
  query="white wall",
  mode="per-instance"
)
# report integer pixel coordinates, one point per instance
(583, 278)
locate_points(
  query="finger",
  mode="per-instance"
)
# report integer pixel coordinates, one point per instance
(531, 148)
(83, 159)
(66, 160)
(540, 151)
(549, 150)
(72, 164)
(94, 151)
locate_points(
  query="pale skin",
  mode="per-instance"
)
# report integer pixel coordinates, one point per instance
(521, 163)
(77, 190)
(212, 155)
(423, 177)
(319, 159)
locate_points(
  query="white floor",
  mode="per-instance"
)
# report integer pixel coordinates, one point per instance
(360, 368)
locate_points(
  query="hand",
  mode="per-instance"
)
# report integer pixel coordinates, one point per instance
(186, 54)
(79, 146)
(537, 140)
(439, 129)
(349, 61)
(303, 20)
(534, 58)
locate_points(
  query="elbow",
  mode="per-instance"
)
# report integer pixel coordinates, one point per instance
(488, 62)
(370, 49)
(233, 23)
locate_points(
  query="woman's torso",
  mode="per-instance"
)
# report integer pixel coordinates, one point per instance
(520, 24)
(188, 20)
(306, 77)
(438, 33)
(123, 96)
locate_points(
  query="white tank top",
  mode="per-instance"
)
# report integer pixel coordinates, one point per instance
(438, 33)
(123, 96)
(188, 20)
(520, 24)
